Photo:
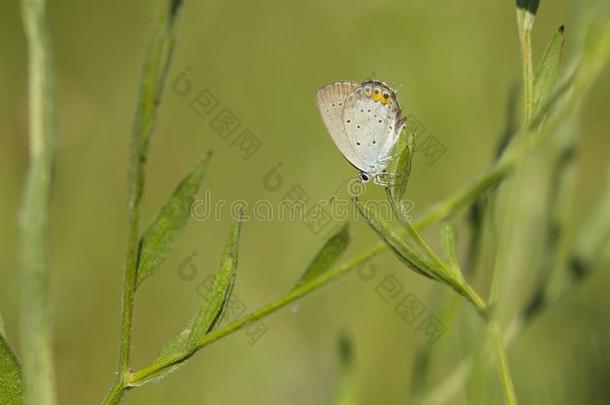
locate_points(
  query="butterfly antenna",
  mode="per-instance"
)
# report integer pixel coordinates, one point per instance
(342, 185)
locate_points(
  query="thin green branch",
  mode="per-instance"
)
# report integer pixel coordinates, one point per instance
(154, 74)
(116, 393)
(505, 376)
(438, 269)
(36, 331)
(417, 238)
(525, 25)
(528, 75)
(159, 365)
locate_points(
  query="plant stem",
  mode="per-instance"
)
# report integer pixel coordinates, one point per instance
(468, 193)
(476, 300)
(452, 277)
(525, 25)
(36, 331)
(115, 394)
(159, 365)
(129, 287)
(413, 232)
(528, 85)
(154, 74)
(505, 376)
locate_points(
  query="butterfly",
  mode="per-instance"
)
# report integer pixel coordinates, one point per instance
(364, 120)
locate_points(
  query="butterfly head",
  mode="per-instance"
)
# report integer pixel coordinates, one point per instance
(364, 178)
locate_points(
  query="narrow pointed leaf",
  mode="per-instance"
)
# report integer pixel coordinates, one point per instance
(403, 169)
(212, 309)
(327, 256)
(211, 312)
(178, 344)
(554, 99)
(417, 263)
(10, 375)
(396, 244)
(160, 236)
(152, 82)
(547, 73)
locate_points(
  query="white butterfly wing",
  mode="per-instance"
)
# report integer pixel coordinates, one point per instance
(371, 116)
(330, 101)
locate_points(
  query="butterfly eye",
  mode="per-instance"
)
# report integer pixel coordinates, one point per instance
(364, 178)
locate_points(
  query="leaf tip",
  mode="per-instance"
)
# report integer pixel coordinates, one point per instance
(529, 5)
(345, 349)
(175, 7)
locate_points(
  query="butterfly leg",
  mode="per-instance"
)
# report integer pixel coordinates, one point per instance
(384, 179)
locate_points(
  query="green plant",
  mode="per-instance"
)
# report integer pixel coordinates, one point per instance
(36, 335)
(10, 373)
(546, 105)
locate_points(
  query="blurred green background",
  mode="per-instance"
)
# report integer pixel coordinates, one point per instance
(454, 64)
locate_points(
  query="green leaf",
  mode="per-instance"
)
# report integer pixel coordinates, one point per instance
(160, 236)
(327, 256)
(154, 74)
(10, 375)
(211, 311)
(403, 169)
(418, 263)
(554, 99)
(547, 74)
(396, 244)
